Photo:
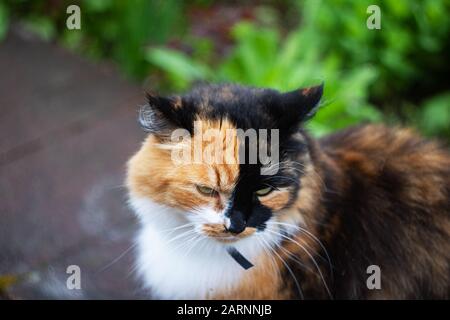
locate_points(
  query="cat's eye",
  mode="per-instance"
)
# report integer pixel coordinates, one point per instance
(264, 191)
(207, 191)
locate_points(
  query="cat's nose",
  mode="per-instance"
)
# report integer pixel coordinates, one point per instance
(237, 223)
(236, 228)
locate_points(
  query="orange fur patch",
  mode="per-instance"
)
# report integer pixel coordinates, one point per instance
(152, 173)
(276, 200)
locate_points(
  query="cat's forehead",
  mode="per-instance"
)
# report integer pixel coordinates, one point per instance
(218, 136)
(245, 107)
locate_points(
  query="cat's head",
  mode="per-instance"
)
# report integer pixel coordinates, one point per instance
(230, 196)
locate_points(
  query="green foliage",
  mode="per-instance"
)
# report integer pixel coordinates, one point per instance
(117, 30)
(179, 68)
(399, 72)
(411, 44)
(260, 60)
(434, 116)
(121, 29)
(360, 67)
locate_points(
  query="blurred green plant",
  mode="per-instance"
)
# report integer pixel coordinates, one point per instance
(260, 58)
(117, 30)
(120, 29)
(434, 116)
(402, 65)
(401, 69)
(409, 53)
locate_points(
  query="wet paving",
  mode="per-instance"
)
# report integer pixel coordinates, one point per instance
(67, 128)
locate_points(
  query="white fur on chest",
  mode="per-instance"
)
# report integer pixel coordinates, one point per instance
(175, 273)
(172, 268)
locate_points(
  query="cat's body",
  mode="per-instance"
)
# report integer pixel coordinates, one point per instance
(366, 196)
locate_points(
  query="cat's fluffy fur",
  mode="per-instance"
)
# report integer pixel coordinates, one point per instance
(365, 196)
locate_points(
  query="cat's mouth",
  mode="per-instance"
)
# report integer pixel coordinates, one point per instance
(218, 232)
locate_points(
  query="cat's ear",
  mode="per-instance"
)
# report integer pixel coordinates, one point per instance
(301, 104)
(159, 116)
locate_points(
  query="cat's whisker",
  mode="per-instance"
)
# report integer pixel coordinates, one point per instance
(190, 236)
(295, 259)
(181, 235)
(309, 254)
(187, 244)
(110, 264)
(276, 268)
(322, 183)
(284, 177)
(197, 240)
(303, 241)
(132, 270)
(296, 169)
(308, 233)
(292, 163)
(296, 162)
(170, 230)
(299, 170)
(272, 259)
(269, 185)
(287, 267)
(161, 210)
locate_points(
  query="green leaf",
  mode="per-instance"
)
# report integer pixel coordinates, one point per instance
(435, 115)
(179, 66)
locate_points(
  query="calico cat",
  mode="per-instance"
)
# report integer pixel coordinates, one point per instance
(369, 201)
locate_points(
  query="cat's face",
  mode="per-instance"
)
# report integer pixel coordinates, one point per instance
(226, 197)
